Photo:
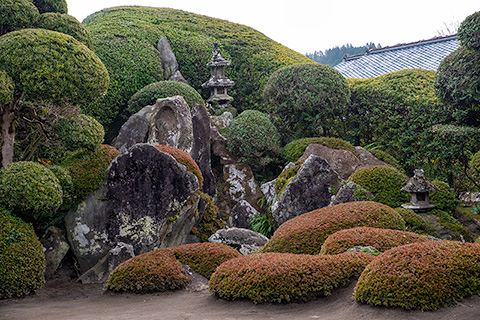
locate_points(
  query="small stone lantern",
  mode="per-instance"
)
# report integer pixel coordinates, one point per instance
(218, 83)
(419, 188)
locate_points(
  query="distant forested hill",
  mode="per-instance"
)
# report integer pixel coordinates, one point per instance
(334, 56)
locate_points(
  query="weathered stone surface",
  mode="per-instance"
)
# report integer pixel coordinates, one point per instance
(219, 148)
(201, 148)
(352, 192)
(368, 159)
(242, 213)
(169, 62)
(244, 240)
(171, 124)
(55, 247)
(146, 201)
(268, 190)
(135, 130)
(222, 121)
(310, 189)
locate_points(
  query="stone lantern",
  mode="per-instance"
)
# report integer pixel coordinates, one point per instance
(419, 188)
(218, 83)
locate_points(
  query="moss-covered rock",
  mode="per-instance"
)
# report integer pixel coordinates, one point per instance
(210, 222)
(469, 32)
(80, 132)
(295, 149)
(307, 232)
(64, 23)
(16, 15)
(414, 276)
(22, 262)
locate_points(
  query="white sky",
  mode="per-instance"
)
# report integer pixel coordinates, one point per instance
(309, 25)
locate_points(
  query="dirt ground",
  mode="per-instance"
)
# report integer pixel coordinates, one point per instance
(63, 299)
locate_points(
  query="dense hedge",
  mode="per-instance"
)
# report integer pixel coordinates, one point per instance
(307, 100)
(16, 15)
(295, 149)
(29, 190)
(424, 276)
(307, 232)
(285, 277)
(79, 132)
(64, 23)
(51, 5)
(384, 182)
(65, 180)
(445, 198)
(414, 222)
(148, 95)
(125, 39)
(6, 88)
(380, 239)
(387, 158)
(469, 32)
(22, 262)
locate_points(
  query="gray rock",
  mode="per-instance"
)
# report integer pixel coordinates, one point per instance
(368, 159)
(169, 61)
(268, 190)
(310, 189)
(55, 246)
(222, 121)
(244, 240)
(352, 192)
(242, 214)
(219, 148)
(134, 130)
(147, 201)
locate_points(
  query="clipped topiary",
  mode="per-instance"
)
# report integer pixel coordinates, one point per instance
(16, 15)
(414, 222)
(204, 257)
(22, 261)
(380, 239)
(307, 232)
(6, 88)
(29, 190)
(469, 32)
(295, 149)
(65, 23)
(253, 137)
(148, 95)
(424, 276)
(65, 179)
(384, 182)
(445, 198)
(51, 5)
(285, 277)
(79, 132)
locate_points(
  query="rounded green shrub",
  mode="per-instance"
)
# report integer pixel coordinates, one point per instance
(425, 276)
(386, 157)
(6, 88)
(469, 32)
(285, 277)
(29, 190)
(148, 95)
(380, 239)
(65, 23)
(414, 222)
(445, 198)
(295, 149)
(16, 15)
(65, 179)
(51, 5)
(154, 271)
(384, 182)
(305, 98)
(22, 261)
(79, 132)
(253, 137)
(307, 232)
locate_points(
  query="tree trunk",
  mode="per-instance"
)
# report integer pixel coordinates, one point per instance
(7, 134)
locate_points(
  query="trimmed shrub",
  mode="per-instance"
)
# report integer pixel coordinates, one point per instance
(295, 149)
(22, 261)
(51, 5)
(445, 198)
(6, 88)
(210, 222)
(253, 137)
(469, 32)
(380, 239)
(307, 232)
(414, 222)
(424, 276)
(16, 15)
(205, 257)
(307, 100)
(384, 182)
(29, 190)
(154, 271)
(65, 179)
(386, 157)
(148, 95)
(285, 277)
(79, 132)
(183, 158)
(65, 23)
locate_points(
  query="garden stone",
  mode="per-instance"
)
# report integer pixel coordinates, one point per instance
(242, 213)
(55, 246)
(367, 159)
(219, 148)
(169, 61)
(134, 130)
(352, 192)
(244, 240)
(222, 121)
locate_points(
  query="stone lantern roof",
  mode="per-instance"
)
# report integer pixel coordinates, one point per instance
(419, 183)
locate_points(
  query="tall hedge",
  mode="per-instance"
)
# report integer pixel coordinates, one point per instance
(469, 32)
(17, 14)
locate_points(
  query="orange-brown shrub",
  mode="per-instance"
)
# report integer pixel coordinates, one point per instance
(307, 232)
(427, 276)
(285, 277)
(381, 239)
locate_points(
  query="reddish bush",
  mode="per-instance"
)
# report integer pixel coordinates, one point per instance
(425, 276)
(381, 239)
(307, 232)
(183, 158)
(285, 277)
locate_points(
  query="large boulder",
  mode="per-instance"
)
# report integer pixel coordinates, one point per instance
(55, 247)
(310, 189)
(148, 200)
(169, 61)
(244, 240)
(134, 130)
(352, 192)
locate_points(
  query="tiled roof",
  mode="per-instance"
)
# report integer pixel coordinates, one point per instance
(425, 54)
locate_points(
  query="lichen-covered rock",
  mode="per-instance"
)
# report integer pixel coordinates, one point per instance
(244, 240)
(242, 214)
(169, 61)
(148, 200)
(134, 130)
(310, 189)
(55, 246)
(219, 148)
(352, 192)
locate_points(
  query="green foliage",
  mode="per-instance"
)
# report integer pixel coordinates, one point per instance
(16, 15)
(286, 176)
(469, 32)
(295, 149)
(262, 223)
(52, 67)
(453, 225)
(210, 222)
(384, 182)
(307, 232)
(413, 276)
(253, 137)
(66, 24)
(29, 190)
(414, 222)
(65, 180)
(380, 239)
(22, 262)
(307, 100)
(148, 95)
(285, 277)
(386, 157)
(79, 132)
(445, 198)
(51, 6)
(6, 88)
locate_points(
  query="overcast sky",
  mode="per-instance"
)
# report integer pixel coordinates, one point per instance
(309, 25)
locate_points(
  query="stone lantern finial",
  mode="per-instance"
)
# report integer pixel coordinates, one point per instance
(419, 188)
